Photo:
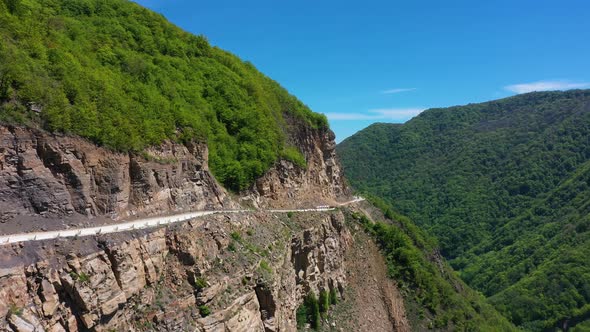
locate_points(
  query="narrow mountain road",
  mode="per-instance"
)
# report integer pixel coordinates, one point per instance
(143, 224)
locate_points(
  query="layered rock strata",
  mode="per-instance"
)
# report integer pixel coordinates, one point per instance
(55, 176)
(286, 185)
(245, 272)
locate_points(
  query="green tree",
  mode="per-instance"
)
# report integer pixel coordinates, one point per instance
(324, 302)
(147, 81)
(502, 186)
(313, 310)
(333, 296)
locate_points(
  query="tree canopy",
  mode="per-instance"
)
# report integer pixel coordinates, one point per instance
(435, 298)
(504, 188)
(124, 77)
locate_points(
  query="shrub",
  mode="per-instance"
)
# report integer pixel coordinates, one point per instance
(313, 310)
(15, 310)
(324, 302)
(231, 247)
(333, 296)
(308, 312)
(204, 310)
(301, 315)
(200, 283)
(82, 277)
(236, 236)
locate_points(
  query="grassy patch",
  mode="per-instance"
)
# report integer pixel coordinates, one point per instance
(15, 310)
(200, 283)
(236, 236)
(265, 266)
(82, 277)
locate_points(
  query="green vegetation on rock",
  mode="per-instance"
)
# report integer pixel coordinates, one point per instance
(333, 296)
(504, 187)
(204, 310)
(124, 77)
(429, 283)
(324, 302)
(309, 312)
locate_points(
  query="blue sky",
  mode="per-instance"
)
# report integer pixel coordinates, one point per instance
(384, 61)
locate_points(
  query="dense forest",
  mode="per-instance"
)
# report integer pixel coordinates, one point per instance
(435, 298)
(124, 77)
(504, 187)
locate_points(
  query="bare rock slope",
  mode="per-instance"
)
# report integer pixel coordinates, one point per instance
(252, 281)
(235, 272)
(287, 185)
(55, 176)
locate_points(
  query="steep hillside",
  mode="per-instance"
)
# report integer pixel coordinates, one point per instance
(502, 186)
(246, 272)
(125, 78)
(434, 297)
(172, 115)
(109, 113)
(239, 272)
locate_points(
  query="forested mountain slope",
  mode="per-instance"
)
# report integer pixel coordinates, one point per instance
(504, 186)
(434, 297)
(126, 78)
(159, 106)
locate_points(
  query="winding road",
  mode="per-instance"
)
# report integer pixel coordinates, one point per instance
(143, 224)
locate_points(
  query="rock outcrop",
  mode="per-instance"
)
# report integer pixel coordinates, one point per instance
(236, 272)
(287, 185)
(44, 174)
(249, 271)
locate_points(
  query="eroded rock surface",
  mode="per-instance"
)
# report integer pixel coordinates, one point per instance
(44, 174)
(235, 272)
(287, 185)
(163, 279)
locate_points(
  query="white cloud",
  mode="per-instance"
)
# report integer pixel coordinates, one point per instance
(545, 86)
(378, 114)
(398, 90)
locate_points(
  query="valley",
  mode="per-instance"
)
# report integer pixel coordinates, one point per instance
(502, 186)
(153, 181)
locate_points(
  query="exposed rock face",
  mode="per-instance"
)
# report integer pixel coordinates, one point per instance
(236, 272)
(316, 257)
(156, 280)
(50, 175)
(287, 185)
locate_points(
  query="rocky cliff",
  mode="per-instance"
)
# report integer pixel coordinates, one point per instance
(42, 174)
(321, 182)
(224, 273)
(56, 176)
(235, 272)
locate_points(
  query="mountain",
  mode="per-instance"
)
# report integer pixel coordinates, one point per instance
(434, 297)
(504, 188)
(110, 114)
(125, 78)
